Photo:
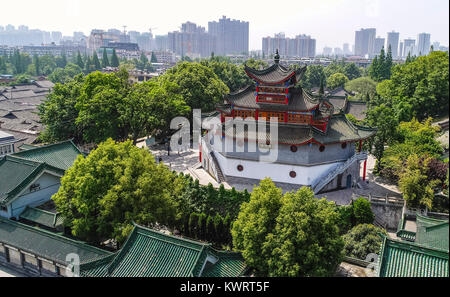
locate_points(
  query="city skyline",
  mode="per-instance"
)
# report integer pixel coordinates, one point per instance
(322, 19)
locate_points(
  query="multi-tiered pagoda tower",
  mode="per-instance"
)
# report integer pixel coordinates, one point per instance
(316, 147)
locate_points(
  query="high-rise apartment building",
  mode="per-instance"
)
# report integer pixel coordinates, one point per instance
(409, 47)
(301, 46)
(232, 36)
(423, 44)
(378, 45)
(400, 50)
(365, 42)
(392, 41)
(192, 41)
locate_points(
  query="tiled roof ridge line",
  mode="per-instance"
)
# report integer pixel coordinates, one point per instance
(403, 245)
(114, 261)
(50, 145)
(240, 91)
(171, 236)
(191, 273)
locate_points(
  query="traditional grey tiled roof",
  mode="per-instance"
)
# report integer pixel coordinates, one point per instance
(299, 100)
(339, 130)
(274, 74)
(357, 108)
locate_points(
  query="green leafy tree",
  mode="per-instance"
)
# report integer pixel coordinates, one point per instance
(384, 120)
(58, 112)
(256, 64)
(37, 67)
(114, 59)
(306, 240)
(291, 235)
(199, 86)
(363, 240)
(362, 211)
(149, 107)
(96, 61)
(98, 105)
(337, 80)
(417, 189)
(153, 58)
(105, 61)
(313, 77)
(117, 184)
(233, 76)
(256, 220)
(363, 87)
(352, 71)
(79, 60)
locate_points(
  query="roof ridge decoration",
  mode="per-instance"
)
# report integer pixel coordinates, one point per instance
(276, 59)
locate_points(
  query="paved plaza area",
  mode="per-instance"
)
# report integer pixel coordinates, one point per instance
(188, 163)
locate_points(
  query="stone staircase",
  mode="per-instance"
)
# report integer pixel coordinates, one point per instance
(220, 175)
(321, 182)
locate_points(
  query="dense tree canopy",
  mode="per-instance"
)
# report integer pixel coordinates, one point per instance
(100, 106)
(313, 76)
(363, 240)
(117, 184)
(363, 87)
(199, 85)
(232, 75)
(418, 89)
(291, 235)
(336, 80)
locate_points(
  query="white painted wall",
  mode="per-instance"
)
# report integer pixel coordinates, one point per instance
(49, 185)
(277, 172)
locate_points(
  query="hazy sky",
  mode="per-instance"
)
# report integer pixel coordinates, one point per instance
(331, 22)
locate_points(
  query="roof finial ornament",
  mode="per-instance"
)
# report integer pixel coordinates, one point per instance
(277, 57)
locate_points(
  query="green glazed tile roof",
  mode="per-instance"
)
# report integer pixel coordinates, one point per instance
(17, 173)
(60, 155)
(46, 244)
(405, 259)
(42, 217)
(13, 171)
(432, 233)
(406, 235)
(25, 146)
(229, 264)
(148, 253)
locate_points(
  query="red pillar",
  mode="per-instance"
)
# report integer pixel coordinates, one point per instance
(200, 152)
(364, 171)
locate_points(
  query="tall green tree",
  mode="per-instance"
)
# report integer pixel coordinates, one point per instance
(256, 220)
(337, 80)
(291, 235)
(114, 59)
(105, 61)
(37, 65)
(153, 58)
(306, 240)
(79, 60)
(96, 61)
(199, 86)
(117, 184)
